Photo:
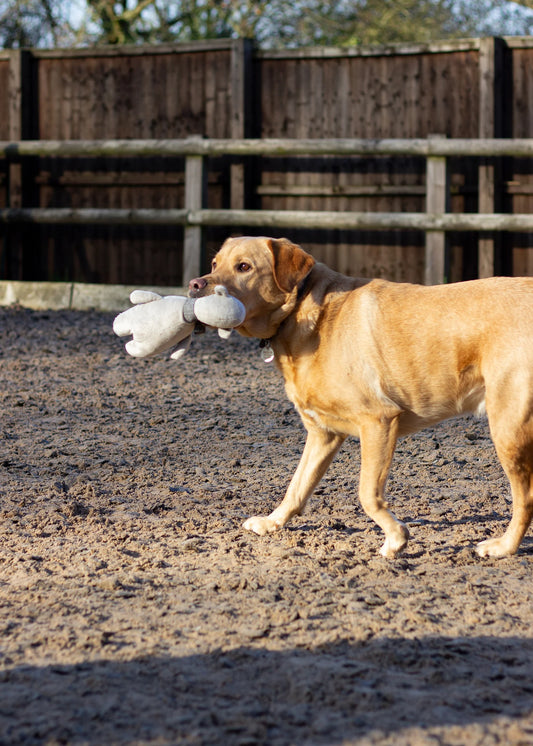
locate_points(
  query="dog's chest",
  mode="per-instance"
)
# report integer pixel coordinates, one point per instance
(317, 413)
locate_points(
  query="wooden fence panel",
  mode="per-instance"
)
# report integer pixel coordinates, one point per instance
(128, 93)
(377, 95)
(221, 90)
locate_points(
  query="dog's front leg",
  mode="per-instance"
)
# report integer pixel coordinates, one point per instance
(320, 449)
(378, 441)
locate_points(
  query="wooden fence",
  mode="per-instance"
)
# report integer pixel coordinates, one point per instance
(229, 91)
(435, 222)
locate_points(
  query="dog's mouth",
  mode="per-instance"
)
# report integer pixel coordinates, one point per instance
(201, 287)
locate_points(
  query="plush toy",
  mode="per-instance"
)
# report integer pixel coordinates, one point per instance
(158, 323)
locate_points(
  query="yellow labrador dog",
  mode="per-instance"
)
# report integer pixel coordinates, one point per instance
(377, 360)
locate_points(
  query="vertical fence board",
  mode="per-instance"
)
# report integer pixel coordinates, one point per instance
(4, 134)
(521, 171)
(18, 94)
(436, 202)
(194, 200)
(490, 125)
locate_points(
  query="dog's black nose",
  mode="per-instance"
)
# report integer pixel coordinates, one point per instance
(197, 284)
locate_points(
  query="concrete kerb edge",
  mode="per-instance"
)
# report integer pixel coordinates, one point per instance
(56, 296)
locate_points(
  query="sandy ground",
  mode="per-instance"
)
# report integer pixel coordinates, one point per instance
(134, 609)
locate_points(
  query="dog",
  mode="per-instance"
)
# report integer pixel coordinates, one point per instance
(377, 360)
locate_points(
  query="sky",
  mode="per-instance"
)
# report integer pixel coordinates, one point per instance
(500, 21)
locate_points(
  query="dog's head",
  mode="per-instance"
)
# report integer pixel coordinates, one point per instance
(264, 274)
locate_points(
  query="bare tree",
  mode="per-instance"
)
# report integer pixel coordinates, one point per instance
(307, 22)
(32, 23)
(131, 21)
(389, 21)
(272, 23)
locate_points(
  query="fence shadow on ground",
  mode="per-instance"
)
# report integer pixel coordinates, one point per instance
(330, 695)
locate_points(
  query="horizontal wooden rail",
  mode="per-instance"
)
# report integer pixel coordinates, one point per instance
(95, 216)
(364, 220)
(268, 147)
(322, 219)
(436, 221)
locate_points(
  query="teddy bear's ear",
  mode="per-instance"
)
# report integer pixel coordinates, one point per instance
(291, 263)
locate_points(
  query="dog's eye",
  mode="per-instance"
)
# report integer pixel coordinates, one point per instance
(213, 265)
(243, 267)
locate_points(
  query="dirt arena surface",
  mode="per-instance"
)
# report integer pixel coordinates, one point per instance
(134, 609)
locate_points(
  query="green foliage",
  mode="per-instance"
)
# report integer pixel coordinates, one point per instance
(272, 23)
(151, 21)
(373, 22)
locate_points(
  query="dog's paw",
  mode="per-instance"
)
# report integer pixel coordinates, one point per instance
(261, 525)
(394, 544)
(498, 547)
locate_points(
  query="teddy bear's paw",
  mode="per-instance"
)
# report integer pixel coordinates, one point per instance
(143, 296)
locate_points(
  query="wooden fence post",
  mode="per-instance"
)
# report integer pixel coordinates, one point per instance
(491, 62)
(241, 101)
(436, 202)
(194, 200)
(19, 129)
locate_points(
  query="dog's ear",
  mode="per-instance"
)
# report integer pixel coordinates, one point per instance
(291, 263)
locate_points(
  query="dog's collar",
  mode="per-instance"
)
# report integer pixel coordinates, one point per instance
(302, 289)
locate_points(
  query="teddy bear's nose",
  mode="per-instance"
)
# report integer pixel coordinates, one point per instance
(197, 284)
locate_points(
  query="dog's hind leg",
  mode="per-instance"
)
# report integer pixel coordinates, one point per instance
(520, 478)
(513, 438)
(320, 449)
(378, 441)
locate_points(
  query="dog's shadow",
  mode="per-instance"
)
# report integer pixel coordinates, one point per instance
(329, 695)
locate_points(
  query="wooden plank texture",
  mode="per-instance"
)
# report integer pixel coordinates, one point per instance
(520, 245)
(436, 203)
(490, 125)
(131, 96)
(355, 96)
(173, 91)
